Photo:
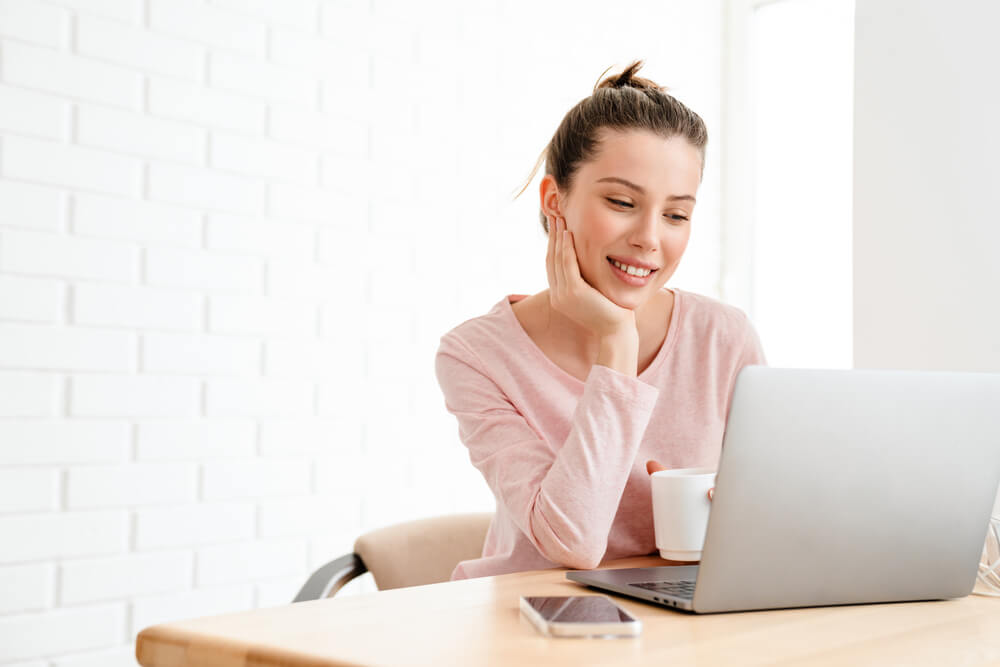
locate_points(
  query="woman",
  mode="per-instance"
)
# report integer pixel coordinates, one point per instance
(563, 397)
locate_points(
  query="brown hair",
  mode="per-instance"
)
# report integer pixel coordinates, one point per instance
(619, 102)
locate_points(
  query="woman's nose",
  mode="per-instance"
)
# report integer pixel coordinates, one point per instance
(645, 233)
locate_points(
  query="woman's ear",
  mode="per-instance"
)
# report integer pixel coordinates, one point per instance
(549, 197)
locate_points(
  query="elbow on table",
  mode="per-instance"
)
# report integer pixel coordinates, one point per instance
(577, 559)
(583, 563)
(566, 546)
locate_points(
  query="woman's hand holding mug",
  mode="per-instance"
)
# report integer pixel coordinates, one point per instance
(680, 511)
(655, 466)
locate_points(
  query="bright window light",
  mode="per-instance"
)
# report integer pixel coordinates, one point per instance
(801, 87)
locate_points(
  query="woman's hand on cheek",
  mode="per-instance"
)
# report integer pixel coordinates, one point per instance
(571, 295)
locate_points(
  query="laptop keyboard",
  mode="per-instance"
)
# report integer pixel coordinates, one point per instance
(680, 589)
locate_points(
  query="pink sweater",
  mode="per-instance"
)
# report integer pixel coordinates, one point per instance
(565, 459)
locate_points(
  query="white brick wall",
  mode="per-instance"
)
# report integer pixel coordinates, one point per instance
(57, 255)
(226, 564)
(63, 535)
(231, 234)
(261, 236)
(184, 526)
(70, 166)
(28, 113)
(178, 440)
(61, 631)
(98, 579)
(255, 478)
(172, 267)
(203, 106)
(114, 42)
(134, 396)
(53, 442)
(199, 23)
(137, 308)
(30, 300)
(32, 22)
(70, 77)
(131, 485)
(135, 220)
(28, 205)
(27, 395)
(26, 587)
(153, 609)
(134, 134)
(49, 347)
(209, 355)
(28, 490)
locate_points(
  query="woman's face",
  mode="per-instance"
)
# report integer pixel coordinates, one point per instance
(647, 222)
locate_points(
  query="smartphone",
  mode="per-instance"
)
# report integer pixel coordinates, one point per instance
(580, 616)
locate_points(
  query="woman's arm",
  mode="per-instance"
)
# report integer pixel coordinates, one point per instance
(752, 354)
(620, 352)
(562, 496)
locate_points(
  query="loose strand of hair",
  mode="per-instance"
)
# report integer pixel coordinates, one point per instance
(534, 170)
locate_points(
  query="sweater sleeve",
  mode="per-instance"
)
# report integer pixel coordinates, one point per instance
(751, 354)
(562, 496)
(753, 351)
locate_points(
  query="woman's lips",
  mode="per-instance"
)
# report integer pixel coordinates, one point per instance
(628, 278)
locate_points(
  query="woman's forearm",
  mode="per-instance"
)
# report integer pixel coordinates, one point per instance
(620, 352)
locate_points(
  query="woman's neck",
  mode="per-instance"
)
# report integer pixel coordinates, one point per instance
(651, 321)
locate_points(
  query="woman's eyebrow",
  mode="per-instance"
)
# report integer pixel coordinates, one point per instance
(639, 189)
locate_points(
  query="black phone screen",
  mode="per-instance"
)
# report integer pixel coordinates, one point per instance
(579, 609)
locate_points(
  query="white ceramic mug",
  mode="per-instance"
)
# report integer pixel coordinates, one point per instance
(680, 511)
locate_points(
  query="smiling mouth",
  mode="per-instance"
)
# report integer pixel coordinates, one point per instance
(615, 265)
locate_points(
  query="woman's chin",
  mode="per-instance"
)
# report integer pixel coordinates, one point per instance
(630, 301)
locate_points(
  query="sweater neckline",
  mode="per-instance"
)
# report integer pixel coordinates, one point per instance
(661, 354)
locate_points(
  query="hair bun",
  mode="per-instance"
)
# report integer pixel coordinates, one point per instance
(627, 79)
(628, 103)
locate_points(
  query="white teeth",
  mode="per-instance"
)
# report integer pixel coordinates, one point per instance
(631, 270)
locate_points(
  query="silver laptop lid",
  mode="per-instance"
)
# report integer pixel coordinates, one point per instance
(878, 485)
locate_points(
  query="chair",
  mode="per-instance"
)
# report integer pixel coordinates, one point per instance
(413, 553)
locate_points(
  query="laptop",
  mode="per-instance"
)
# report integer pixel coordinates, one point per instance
(839, 487)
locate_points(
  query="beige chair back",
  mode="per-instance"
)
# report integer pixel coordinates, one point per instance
(424, 551)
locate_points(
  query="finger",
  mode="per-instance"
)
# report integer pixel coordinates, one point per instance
(573, 273)
(550, 255)
(711, 493)
(572, 267)
(654, 466)
(571, 270)
(562, 276)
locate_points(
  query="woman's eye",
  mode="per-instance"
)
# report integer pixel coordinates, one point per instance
(618, 202)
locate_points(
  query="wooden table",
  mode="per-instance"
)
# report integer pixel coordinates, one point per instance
(477, 622)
